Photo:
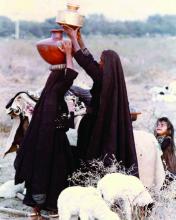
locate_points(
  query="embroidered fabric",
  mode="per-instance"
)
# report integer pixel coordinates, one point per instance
(62, 122)
(160, 139)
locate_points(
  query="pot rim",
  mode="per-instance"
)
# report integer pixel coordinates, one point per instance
(56, 30)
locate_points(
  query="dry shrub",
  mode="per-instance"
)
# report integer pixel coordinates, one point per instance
(92, 171)
(165, 201)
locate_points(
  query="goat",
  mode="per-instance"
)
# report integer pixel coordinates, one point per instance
(84, 202)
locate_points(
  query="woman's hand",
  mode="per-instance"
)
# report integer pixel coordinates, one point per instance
(72, 33)
(79, 36)
(80, 39)
(67, 47)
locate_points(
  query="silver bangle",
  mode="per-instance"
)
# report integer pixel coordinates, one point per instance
(57, 67)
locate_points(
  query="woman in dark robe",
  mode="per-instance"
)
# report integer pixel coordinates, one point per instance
(44, 159)
(106, 129)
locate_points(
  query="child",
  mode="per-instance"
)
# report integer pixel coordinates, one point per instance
(164, 132)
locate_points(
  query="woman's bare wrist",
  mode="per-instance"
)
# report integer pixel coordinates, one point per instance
(76, 45)
(81, 44)
(69, 61)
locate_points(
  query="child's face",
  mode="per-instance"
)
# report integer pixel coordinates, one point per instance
(161, 128)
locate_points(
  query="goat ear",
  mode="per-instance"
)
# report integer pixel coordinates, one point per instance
(10, 146)
(12, 149)
(18, 97)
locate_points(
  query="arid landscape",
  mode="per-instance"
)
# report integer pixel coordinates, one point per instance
(147, 62)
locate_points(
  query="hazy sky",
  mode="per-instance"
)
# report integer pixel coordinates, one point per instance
(113, 9)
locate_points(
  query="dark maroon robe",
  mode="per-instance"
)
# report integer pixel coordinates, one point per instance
(106, 130)
(44, 159)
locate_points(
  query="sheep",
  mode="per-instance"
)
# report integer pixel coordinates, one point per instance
(9, 189)
(158, 93)
(151, 170)
(84, 202)
(164, 94)
(129, 188)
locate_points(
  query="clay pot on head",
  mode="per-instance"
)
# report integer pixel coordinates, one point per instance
(49, 48)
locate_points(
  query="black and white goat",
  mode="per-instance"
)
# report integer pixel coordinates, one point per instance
(20, 109)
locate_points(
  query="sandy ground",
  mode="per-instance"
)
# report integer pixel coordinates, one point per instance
(7, 173)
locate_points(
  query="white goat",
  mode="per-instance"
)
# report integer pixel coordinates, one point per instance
(9, 189)
(129, 188)
(84, 202)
